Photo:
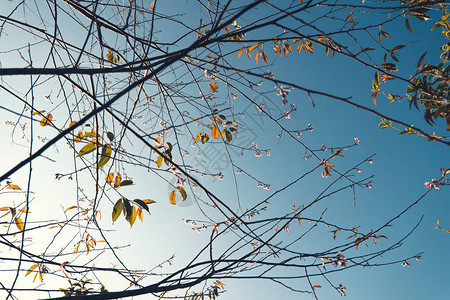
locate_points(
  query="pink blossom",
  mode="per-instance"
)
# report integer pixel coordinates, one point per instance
(357, 141)
(287, 115)
(405, 264)
(268, 152)
(418, 257)
(340, 260)
(428, 184)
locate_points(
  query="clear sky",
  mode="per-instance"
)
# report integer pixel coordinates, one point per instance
(401, 164)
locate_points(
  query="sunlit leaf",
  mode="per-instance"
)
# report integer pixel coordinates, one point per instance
(148, 201)
(240, 52)
(39, 112)
(117, 210)
(159, 161)
(31, 269)
(70, 207)
(252, 48)
(172, 197)
(46, 120)
(152, 5)
(23, 210)
(198, 137)
(109, 178)
(13, 187)
(139, 214)
(19, 223)
(182, 192)
(317, 286)
(72, 123)
(117, 180)
(133, 216)
(215, 132)
(106, 155)
(213, 86)
(88, 148)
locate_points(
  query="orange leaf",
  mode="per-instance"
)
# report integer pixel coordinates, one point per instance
(110, 177)
(240, 52)
(118, 180)
(13, 187)
(19, 223)
(172, 197)
(317, 286)
(70, 207)
(152, 5)
(215, 133)
(72, 123)
(46, 120)
(213, 86)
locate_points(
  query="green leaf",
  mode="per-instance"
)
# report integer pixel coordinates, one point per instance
(106, 155)
(128, 210)
(110, 136)
(117, 209)
(126, 182)
(91, 146)
(142, 204)
(182, 192)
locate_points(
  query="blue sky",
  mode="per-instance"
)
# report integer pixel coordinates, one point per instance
(401, 166)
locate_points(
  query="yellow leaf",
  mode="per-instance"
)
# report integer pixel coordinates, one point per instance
(13, 187)
(39, 112)
(23, 210)
(106, 155)
(118, 180)
(7, 208)
(31, 269)
(159, 161)
(70, 207)
(117, 210)
(133, 216)
(88, 148)
(182, 192)
(172, 197)
(79, 136)
(90, 134)
(215, 132)
(46, 120)
(19, 223)
(213, 86)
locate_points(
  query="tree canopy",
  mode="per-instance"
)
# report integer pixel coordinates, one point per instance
(191, 117)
